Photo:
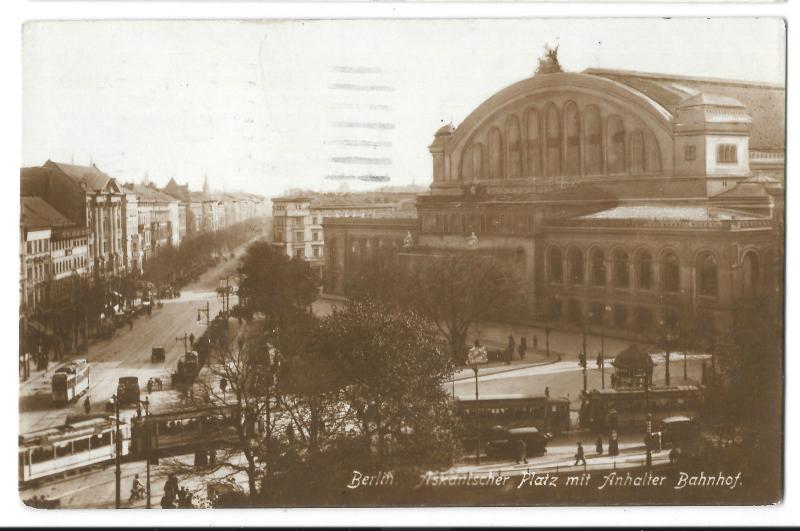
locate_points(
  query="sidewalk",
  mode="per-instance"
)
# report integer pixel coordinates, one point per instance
(496, 367)
(564, 343)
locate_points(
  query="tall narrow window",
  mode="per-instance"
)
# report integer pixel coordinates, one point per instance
(575, 257)
(514, 148)
(621, 269)
(707, 275)
(726, 153)
(532, 150)
(652, 154)
(616, 144)
(593, 156)
(573, 127)
(637, 152)
(598, 267)
(750, 274)
(645, 270)
(495, 154)
(670, 273)
(553, 141)
(554, 265)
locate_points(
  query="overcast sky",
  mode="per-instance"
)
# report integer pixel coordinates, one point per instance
(267, 106)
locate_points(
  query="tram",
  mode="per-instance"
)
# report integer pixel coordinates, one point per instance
(626, 407)
(516, 411)
(79, 443)
(70, 381)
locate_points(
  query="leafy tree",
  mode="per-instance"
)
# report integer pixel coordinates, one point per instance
(746, 396)
(378, 279)
(392, 371)
(275, 286)
(456, 290)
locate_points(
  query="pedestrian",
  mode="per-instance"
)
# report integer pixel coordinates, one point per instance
(673, 456)
(522, 451)
(171, 488)
(149, 386)
(535, 342)
(579, 457)
(139, 410)
(223, 385)
(547, 392)
(147, 405)
(191, 340)
(523, 346)
(87, 406)
(598, 445)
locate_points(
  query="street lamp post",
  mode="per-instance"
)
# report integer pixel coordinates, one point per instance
(476, 356)
(582, 357)
(649, 423)
(149, 449)
(477, 416)
(547, 340)
(117, 456)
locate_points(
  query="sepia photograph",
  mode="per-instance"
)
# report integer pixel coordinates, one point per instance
(402, 263)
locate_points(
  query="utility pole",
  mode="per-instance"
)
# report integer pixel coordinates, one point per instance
(149, 434)
(185, 339)
(649, 423)
(117, 456)
(582, 358)
(602, 358)
(207, 311)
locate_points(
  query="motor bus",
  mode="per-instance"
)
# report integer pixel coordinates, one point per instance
(628, 407)
(81, 442)
(70, 381)
(550, 415)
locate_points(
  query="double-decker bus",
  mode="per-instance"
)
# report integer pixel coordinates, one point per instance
(77, 444)
(626, 407)
(70, 381)
(515, 411)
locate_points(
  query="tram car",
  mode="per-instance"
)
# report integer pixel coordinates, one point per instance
(70, 381)
(81, 442)
(514, 411)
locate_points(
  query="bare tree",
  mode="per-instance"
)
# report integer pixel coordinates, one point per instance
(456, 290)
(238, 388)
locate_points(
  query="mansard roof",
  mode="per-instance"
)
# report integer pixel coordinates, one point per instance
(91, 176)
(36, 213)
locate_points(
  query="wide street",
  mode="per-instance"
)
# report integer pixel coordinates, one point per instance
(127, 353)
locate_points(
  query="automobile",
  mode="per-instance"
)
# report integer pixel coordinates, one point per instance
(503, 442)
(146, 301)
(676, 430)
(158, 354)
(128, 392)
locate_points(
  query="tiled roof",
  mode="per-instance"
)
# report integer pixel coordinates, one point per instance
(93, 177)
(36, 213)
(147, 193)
(765, 102)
